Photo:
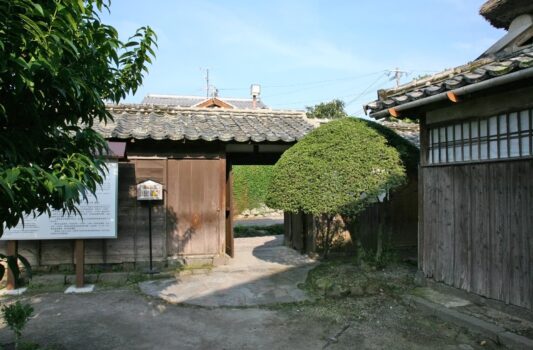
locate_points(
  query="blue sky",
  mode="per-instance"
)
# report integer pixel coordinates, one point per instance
(301, 52)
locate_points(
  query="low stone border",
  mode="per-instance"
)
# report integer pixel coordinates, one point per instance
(497, 333)
(110, 277)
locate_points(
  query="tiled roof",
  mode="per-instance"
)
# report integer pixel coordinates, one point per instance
(409, 131)
(191, 101)
(469, 74)
(176, 123)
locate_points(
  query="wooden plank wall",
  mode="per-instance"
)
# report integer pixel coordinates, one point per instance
(296, 237)
(477, 230)
(401, 218)
(401, 222)
(196, 199)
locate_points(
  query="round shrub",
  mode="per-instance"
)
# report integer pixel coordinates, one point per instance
(337, 168)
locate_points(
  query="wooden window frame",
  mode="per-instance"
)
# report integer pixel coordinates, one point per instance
(438, 145)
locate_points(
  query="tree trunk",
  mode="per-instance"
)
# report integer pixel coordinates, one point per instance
(379, 247)
(327, 235)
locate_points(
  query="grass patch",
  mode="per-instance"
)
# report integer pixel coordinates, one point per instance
(257, 231)
(347, 292)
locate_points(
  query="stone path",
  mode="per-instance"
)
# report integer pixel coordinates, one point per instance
(258, 221)
(263, 272)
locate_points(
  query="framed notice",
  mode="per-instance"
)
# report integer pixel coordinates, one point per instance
(98, 217)
(149, 191)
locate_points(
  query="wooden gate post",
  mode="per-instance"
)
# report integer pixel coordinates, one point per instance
(79, 260)
(230, 245)
(12, 250)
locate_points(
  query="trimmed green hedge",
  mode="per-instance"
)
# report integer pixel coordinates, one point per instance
(250, 186)
(337, 168)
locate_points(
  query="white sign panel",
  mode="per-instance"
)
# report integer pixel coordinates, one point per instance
(149, 191)
(98, 217)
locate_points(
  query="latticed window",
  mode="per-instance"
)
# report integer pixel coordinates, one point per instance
(498, 137)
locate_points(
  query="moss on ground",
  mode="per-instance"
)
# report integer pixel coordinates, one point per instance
(367, 300)
(345, 292)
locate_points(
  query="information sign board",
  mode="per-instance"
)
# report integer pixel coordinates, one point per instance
(98, 217)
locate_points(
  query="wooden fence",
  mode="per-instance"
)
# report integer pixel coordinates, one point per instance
(477, 228)
(400, 223)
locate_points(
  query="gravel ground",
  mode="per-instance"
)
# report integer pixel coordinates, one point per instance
(354, 308)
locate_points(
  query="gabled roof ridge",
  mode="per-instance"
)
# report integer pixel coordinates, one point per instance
(214, 98)
(200, 97)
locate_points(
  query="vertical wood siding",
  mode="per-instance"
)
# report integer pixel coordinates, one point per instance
(400, 219)
(477, 231)
(195, 203)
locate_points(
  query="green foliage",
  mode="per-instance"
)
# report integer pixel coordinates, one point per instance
(250, 186)
(58, 65)
(327, 110)
(338, 168)
(257, 231)
(12, 262)
(409, 153)
(16, 316)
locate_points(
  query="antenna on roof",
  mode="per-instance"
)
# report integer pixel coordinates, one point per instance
(207, 82)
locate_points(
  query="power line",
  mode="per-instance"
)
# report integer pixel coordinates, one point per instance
(365, 90)
(319, 82)
(316, 82)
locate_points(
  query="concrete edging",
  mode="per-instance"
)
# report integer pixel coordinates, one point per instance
(499, 334)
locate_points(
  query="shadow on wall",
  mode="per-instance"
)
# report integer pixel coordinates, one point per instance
(176, 240)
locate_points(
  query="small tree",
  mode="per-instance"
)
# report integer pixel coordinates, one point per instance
(336, 169)
(16, 316)
(58, 65)
(327, 110)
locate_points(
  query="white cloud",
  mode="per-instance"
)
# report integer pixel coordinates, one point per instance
(245, 34)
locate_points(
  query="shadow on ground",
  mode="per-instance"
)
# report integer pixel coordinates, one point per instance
(263, 272)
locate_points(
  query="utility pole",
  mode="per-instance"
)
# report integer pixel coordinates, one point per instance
(207, 82)
(397, 74)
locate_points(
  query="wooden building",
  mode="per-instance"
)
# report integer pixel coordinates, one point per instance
(476, 174)
(191, 152)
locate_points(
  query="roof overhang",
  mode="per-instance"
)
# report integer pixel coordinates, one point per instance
(453, 96)
(500, 13)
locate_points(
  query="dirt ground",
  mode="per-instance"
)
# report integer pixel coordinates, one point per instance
(355, 308)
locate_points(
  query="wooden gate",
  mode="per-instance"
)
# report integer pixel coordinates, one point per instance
(196, 203)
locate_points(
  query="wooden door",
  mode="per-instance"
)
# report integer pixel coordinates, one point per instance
(195, 206)
(230, 246)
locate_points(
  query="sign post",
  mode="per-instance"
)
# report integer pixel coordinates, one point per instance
(98, 220)
(150, 191)
(12, 250)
